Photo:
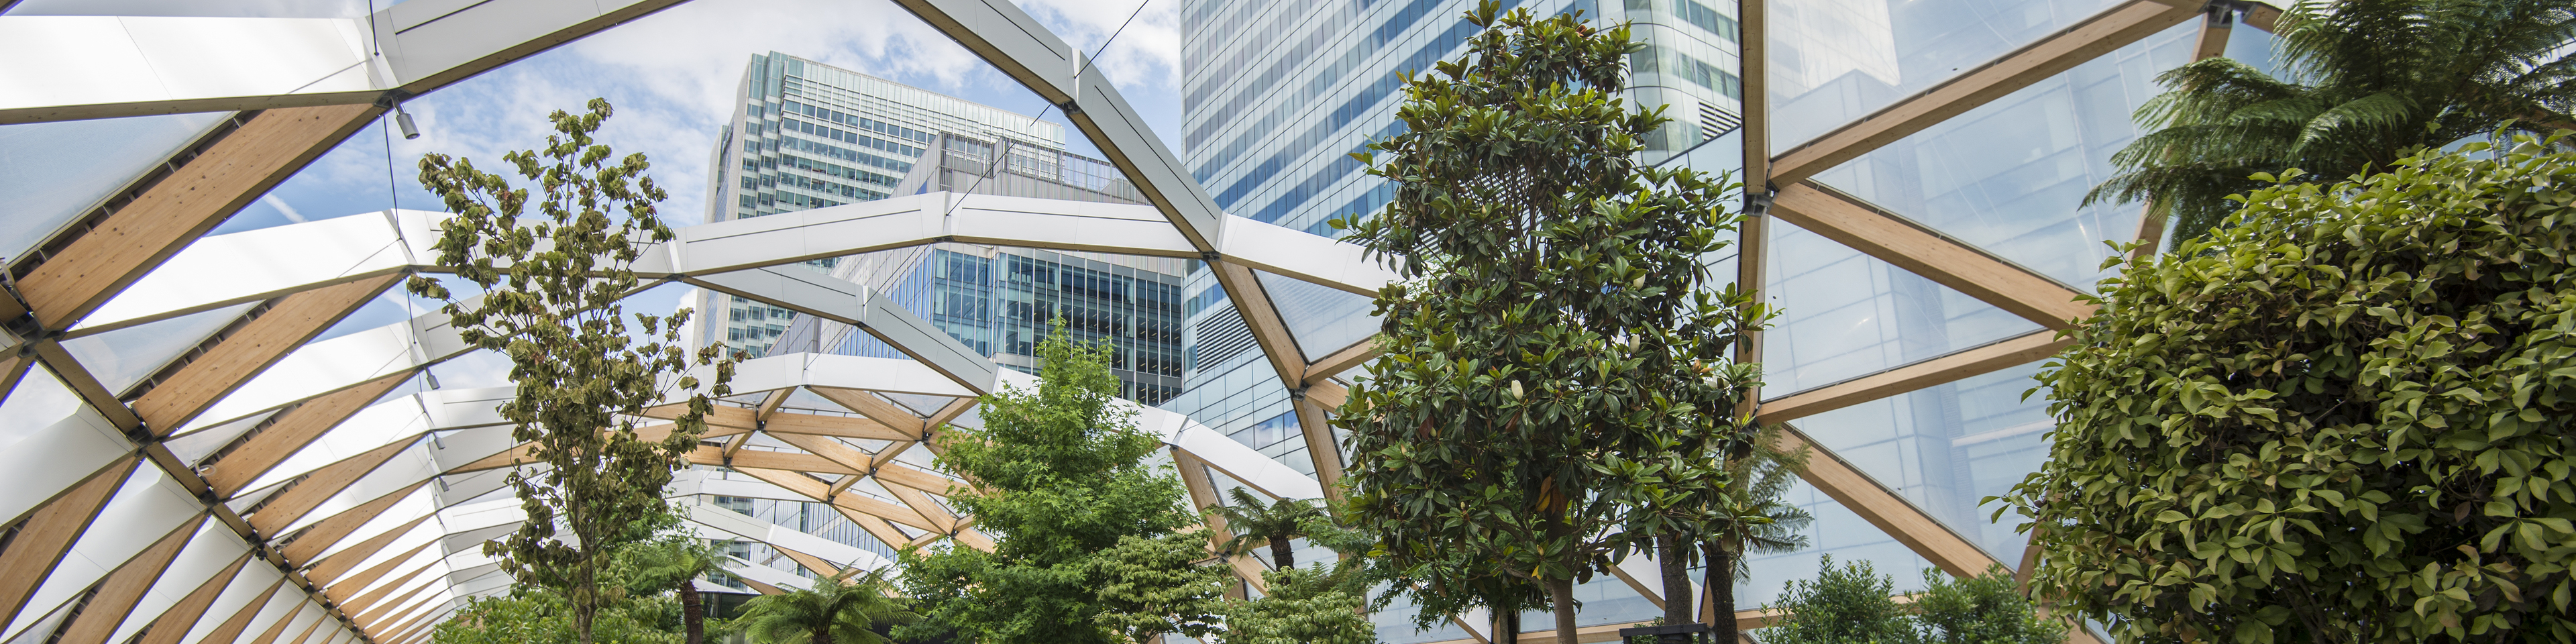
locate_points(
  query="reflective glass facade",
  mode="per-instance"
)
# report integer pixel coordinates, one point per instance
(807, 135)
(181, 394)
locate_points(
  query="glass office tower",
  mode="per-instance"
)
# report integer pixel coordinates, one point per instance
(1277, 96)
(807, 135)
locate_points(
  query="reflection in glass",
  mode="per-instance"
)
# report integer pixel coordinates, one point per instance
(1844, 315)
(1837, 532)
(2009, 176)
(1323, 319)
(1835, 61)
(123, 357)
(1944, 448)
(50, 173)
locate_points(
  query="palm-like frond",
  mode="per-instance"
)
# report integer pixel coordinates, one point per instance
(1256, 523)
(845, 612)
(2367, 81)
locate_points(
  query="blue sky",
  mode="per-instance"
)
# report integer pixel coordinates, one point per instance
(671, 77)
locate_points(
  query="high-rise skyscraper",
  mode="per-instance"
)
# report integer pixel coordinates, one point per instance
(1275, 97)
(999, 301)
(807, 135)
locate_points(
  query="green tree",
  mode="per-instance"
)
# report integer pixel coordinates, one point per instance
(2368, 82)
(1150, 586)
(533, 614)
(1746, 516)
(1851, 604)
(1556, 344)
(1274, 524)
(671, 563)
(1985, 609)
(833, 610)
(2350, 424)
(1304, 606)
(550, 303)
(1062, 480)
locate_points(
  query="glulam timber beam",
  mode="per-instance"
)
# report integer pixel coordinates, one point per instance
(261, 342)
(1313, 421)
(1935, 256)
(232, 627)
(1883, 508)
(2018, 350)
(302, 495)
(90, 263)
(340, 589)
(810, 488)
(1348, 358)
(330, 567)
(892, 417)
(123, 587)
(45, 534)
(2111, 29)
(303, 545)
(1268, 329)
(289, 431)
(175, 622)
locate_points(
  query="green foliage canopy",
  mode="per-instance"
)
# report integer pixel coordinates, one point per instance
(1555, 368)
(2347, 425)
(2369, 80)
(1852, 604)
(833, 611)
(1305, 606)
(549, 302)
(1062, 480)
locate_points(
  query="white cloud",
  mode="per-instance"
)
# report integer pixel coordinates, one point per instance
(1148, 49)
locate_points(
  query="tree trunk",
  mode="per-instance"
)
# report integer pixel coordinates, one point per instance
(1721, 592)
(693, 613)
(1507, 626)
(1561, 593)
(1674, 560)
(581, 618)
(822, 635)
(1281, 554)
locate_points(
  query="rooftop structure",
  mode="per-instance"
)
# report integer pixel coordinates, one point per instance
(179, 404)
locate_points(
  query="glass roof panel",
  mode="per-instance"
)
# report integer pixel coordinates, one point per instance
(210, 8)
(1844, 315)
(50, 173)
(1946, 447)
(2009, 175)
(39, 401)
(1834, 62)
(1836, 532)
(1323, 319)
(195, 446)
(123, 357)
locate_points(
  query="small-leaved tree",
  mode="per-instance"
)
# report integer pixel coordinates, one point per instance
(1062, 480)
(551, 282)
(1556, 337)
(2350, 424)
(1847, 604)
(1311, 605)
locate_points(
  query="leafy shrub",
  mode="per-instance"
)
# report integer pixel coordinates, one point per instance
(2342, 419)
(1855, 604)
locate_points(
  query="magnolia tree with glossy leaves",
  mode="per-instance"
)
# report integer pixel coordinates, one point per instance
(551, 283)
(2350, 424)
(1556, 374)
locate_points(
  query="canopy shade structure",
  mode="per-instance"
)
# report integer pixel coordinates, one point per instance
(174, 411)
